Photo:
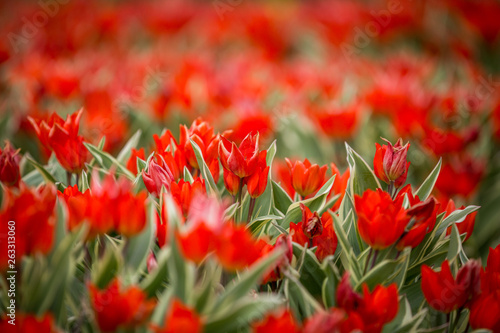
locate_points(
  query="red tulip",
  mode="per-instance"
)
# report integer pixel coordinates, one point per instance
(257, 183)
(132, 161)
(381, 221)
(484, 312)
(116, 307)
(62, 138)
(232, 182)
(376, 308)
(461, 177)
(315, 231)
(390, 163)
(282, 321)
(337, 122)
(203, 134)
(241, 161)
(306, 178)
(157, 177)
(183, 192)
(32, 211)
(443, 292)
(196, 242)
(464, 227)
(9, 165)
(236, 248)
(180, 318)
(422, 220)
(29, 323)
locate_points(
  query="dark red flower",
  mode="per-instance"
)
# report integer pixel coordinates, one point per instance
(390, 163)
(9, 165)
(460, 177)
(443, 292)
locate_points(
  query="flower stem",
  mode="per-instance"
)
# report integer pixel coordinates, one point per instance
(374, 261)
(68, 178)
(368, 260)
(250, 209)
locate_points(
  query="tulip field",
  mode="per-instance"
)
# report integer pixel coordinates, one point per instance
(250, 166)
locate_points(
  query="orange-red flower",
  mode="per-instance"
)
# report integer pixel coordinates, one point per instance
(203, 135)
(62, 138)
(117, 307)
(180, 318)
(306, 178)
(29, 323)
(231, 182)
(132, 161)
(280, 321)
(241, 161)
(460, 177)
(196, 242)
(183, 192)
(109, 205)
(334, 320)
(390, 163)
(315, 231)
(33, 216)
(466, 226)
(236, 248)
(337, 122)
(257, 182)
(9, 165)
(381, 221)
(443, 292)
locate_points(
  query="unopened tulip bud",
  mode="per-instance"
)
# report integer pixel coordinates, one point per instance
(9, 165)
(156, 177)
(390, 163)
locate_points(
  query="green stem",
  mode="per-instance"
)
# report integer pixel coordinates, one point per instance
(250, 209)
(68, 178)
(368, 260)
(374, 261)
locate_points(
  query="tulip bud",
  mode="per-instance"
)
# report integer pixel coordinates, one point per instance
(346, 297)
(156, 177)
(9, 165)
(468, 276)
(285, 242)
(152, 263)
(390, 163)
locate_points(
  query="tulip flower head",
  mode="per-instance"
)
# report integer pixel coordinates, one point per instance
(306, 178)
(390, 163)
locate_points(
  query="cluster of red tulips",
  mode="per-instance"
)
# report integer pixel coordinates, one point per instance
(223, 166)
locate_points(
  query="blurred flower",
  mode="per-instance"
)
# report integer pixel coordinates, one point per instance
(280, 321)
(381, 221)
(334, 320)
(183, 192)
(337, 122)
(132, 161)
(29, 323)
(236, 248)
(156, 177)
(180, 318)
(339, 185)
(466, 226)
(460, 177)
(62, 138)
(443, 292)
(117, 307)
(196, 242)
(390, 163)
(9, 165)
(32, 211)
(306, 178)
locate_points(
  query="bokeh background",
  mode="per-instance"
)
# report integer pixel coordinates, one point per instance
(310, 74)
